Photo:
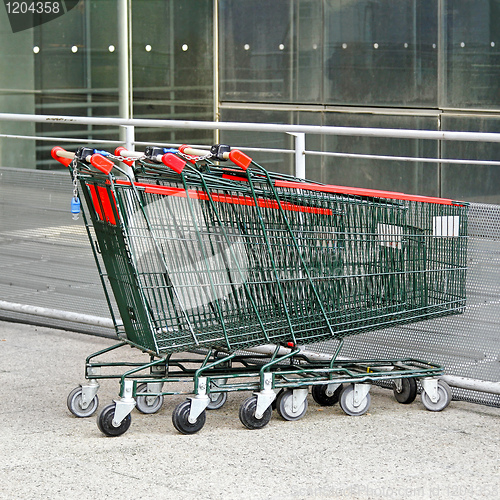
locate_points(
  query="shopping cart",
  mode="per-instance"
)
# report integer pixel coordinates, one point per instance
(234, 260)
(149, 375)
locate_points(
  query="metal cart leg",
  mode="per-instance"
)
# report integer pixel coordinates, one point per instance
(89, 392)
(265, 397)
(124, 405)
(199, 402)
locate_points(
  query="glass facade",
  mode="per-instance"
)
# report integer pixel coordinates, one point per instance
(471, 56)
(414, 64)
(172, 65)
(381, 53)
(70, 66)
(422, 64)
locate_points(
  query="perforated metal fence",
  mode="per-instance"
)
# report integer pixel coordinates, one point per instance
(46, 261)
(468, 345)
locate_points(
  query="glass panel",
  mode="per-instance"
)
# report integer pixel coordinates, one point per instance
(381, 53)
(472, 53)
(16, 93)
(256, 50)
(471, 182)
(173, 65)
(405, 176)
(69, 66)
(75, 68)
(309, 52)
(271, 58)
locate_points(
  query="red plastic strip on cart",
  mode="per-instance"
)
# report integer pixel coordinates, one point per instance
(64, 161)
(235, 200)
(101, 163)
(225, 198)
(234, 178)
(103, 204)
(233, 175)
(372, 193)
(240, 159)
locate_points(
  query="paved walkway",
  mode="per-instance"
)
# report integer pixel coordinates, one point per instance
(394, 451)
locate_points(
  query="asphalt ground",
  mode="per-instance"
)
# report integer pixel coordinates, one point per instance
(393, 451)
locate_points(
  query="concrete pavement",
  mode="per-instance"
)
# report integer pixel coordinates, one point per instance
(393, 451)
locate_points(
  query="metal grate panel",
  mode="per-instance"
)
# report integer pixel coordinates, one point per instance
(468, 345)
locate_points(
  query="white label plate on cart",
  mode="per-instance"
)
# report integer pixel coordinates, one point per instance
(447, 225)
(390, 235)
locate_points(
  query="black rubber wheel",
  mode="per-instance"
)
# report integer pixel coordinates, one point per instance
(74, 403)
(247, 414)
(180, 419)
(347, 402)
(284, 407)
(144, 404)
(444, 397)
(407, 392)
(105, 422)
(319, 395)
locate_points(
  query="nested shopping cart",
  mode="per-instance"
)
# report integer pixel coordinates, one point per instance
(239, 262)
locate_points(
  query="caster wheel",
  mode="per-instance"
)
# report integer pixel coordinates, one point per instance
(180, 419)
(444, 397)
(284, 407)
(347, 402)
(217, 400)
(405, 390)
(275, 400)
(75, 404)
(147, 404)
(105, 422)
(247, 414)
(322, 398)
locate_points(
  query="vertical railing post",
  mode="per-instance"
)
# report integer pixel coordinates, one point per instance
(300, 154)
(216, 82)
(125, 71)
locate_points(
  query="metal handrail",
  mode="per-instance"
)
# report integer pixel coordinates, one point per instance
(258, 127)
(298, 131)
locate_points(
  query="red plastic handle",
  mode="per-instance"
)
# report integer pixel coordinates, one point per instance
(101, 163)
(183, 149)
(118, 152)
(240, 159)
(174, 162)
(61, 159)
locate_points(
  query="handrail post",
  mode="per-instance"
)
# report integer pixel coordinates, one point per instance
(124, 71)
(129, 137)
(300, 154)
